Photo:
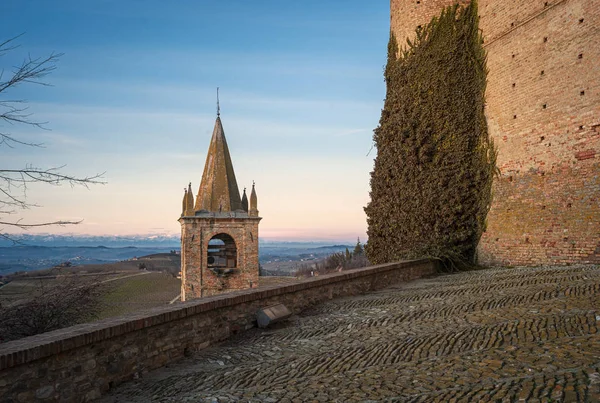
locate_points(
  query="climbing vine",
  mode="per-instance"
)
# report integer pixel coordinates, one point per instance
(431, 186)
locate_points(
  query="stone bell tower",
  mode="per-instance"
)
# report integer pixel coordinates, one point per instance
(219, 234)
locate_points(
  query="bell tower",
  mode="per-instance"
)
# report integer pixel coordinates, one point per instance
(219, 233)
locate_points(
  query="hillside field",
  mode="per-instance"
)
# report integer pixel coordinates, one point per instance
(141, 291)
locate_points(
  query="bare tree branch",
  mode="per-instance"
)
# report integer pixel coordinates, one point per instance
(50, 175)
(43, 224)
(14, 182)
(31, 70)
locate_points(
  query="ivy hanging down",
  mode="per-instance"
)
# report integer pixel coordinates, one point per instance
(431, 186)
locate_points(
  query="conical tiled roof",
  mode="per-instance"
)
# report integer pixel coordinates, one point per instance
(218, 190)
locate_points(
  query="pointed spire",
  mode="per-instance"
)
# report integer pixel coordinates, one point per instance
(218, 190)
(253, 202)
(245, 201)
(190, 201)
(184, 202)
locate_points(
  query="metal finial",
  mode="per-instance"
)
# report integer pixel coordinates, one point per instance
(218, 107)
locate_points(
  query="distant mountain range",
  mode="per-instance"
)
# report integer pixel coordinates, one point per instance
(138, 241)
(116, 241)
(27, 258)
(35, 252)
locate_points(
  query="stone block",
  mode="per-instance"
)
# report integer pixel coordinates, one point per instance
(272, 314)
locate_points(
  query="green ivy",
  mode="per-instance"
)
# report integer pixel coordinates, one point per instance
(431, 186)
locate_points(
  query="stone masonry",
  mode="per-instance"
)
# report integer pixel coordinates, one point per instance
(201, 282)
(543, 110)
(219, 233)
(83, 362)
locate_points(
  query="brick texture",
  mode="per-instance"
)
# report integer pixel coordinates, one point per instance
(197, 280)
(543, 110)
(83, 362)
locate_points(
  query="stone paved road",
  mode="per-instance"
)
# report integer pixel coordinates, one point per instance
(501, 335)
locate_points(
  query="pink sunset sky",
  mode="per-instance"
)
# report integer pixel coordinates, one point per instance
(301, 89)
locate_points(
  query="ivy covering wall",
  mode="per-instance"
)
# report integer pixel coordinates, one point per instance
(431, 186)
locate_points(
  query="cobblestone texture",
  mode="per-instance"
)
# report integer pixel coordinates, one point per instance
(501, 335)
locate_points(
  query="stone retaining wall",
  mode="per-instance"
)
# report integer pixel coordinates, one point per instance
(82, 362)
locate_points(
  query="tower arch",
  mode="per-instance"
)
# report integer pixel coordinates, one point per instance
(221, 252)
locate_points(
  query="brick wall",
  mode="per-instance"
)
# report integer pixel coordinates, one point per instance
(80, 363)
(197, 280)
(548, 217)
(543, 110)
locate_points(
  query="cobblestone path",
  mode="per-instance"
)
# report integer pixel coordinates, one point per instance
(501, 335)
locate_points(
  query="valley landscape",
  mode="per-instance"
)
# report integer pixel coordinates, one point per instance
(43, 252)
(471, 172)
(134, 278)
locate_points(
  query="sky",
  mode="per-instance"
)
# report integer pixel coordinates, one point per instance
(134, 96)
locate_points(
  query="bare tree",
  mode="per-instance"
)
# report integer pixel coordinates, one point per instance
(14, 182)
(335, 262)
(67, 300)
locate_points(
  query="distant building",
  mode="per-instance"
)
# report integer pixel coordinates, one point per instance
(219, 233)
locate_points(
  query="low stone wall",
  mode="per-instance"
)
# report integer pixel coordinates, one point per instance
(82, 362)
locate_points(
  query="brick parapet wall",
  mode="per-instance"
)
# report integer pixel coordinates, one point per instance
(543, 112)
(82, 362)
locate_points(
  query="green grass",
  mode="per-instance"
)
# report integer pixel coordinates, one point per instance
(145, 291)
(16, 291)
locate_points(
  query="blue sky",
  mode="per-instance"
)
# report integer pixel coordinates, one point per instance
(301, 90)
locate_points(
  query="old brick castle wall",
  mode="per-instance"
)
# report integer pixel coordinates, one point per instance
(543, 110)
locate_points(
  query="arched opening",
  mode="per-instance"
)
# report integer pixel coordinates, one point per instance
(222, 253)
